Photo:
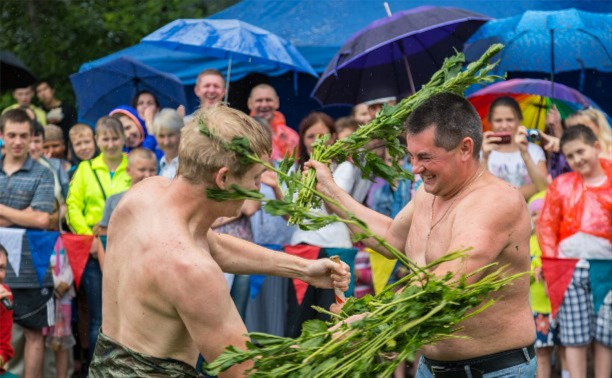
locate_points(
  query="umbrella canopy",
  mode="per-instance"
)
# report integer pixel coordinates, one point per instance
(395, 55)
(534, 97)
(230, 39)
(13, 73)
(548, 41)
(102, 88)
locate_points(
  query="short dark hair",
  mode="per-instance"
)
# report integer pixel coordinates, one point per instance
(38, 130)
(508, 102)
(454, 118)
(16, 116)
(137, 96)
(44, 81)
(576, 132)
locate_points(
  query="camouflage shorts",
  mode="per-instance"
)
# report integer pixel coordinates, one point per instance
(114, 360)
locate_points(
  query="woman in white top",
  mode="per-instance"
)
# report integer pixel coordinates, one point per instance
(335, 235)
(518, 162)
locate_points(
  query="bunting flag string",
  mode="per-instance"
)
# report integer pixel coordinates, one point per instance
(347, 255)
(41, 245)
(557, 275)
(12, 240)
(600, 279)
(307, 252)
(382, 268)
(77, 249)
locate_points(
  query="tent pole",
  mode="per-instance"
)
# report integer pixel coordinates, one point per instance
(227, 80)
(552, 61)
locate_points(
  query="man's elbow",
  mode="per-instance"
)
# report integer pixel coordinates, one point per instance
(41, 221)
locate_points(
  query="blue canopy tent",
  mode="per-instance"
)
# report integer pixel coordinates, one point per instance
(318, 29)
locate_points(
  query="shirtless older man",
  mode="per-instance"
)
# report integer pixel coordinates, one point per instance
(460, 205)
(165, 298)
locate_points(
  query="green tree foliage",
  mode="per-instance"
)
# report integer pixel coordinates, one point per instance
(54, 37)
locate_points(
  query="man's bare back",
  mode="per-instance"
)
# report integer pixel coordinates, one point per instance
(150, 254)
(492, 218)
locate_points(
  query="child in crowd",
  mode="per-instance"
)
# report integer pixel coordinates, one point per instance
(54, 146)
(6, 313)
(361, 113)
(83, 145)
(59, 336)
(93, 182)
(540, 303)
(576, 222)
(135, 130)
(345, 126)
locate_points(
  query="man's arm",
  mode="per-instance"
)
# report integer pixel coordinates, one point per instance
(485, 224)
(394, 231)
(238, 256)
(28, 218)
(208, 312)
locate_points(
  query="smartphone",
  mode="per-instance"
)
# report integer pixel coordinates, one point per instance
(505, 138)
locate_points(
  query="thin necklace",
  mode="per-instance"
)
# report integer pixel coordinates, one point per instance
(433, 225)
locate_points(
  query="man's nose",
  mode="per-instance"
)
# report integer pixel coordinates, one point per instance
(417, 167)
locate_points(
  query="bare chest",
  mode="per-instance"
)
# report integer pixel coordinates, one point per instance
(429, 239)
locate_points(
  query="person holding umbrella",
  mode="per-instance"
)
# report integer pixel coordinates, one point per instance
(506, 152)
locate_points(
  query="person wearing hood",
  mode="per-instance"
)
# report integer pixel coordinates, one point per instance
(136, 134)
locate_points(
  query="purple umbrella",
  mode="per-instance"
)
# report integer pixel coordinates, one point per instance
(395, 55)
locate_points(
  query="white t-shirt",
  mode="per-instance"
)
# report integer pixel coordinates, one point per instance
(335, 235)
(510, 167)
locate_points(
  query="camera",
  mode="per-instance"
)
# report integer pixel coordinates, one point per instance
(533, 135)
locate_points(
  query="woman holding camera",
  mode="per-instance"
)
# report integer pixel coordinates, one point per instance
(507, 153)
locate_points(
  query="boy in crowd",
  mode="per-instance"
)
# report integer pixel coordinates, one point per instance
(23, 96)
(141, 164)
(83, 145)
(58, 112)
(576, 222)
(54, 146)
(6, 313)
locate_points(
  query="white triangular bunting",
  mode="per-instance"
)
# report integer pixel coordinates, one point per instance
(12, 240)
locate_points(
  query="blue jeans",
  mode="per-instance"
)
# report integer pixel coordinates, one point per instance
(240, 293)
(92, 284)
(526, 369)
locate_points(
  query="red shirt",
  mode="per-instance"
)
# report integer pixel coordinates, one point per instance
(6, 328)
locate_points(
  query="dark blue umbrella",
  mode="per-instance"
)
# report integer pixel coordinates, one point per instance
(395, 55)
(230, 39)
(553, 42)
(104, 87)
(13, 73)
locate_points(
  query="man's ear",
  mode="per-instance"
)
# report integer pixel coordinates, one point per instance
(466, 147)
(221, 178)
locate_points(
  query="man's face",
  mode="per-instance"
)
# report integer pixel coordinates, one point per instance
(168, 141)
(251, 180)
(139, 169)
(582, 157)
(23, 96)
(55, 149)
(263, 102)
(16, 139)
(44, 93)
(210, 89)
(436, 166)
(36, 146)
(84, 146)
(133, 136)
(3, 262)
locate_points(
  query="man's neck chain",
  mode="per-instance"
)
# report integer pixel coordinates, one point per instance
(433, 202)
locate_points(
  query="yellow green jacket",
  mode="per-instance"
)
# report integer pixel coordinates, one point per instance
(85, 200)
(537, 291)
(41, 116)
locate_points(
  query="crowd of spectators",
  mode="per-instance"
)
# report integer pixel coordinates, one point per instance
(57, 174)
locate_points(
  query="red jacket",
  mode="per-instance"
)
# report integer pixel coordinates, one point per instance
(6, 327)
(570, 207)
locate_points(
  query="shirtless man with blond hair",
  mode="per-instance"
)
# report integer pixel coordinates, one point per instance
(165, 298)
(460, 205)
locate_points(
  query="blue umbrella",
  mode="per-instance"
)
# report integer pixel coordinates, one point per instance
(553, 42)
(104, 87)
(230, 39)
(393, 56)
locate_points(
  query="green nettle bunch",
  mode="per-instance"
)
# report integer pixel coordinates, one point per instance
(398, 323)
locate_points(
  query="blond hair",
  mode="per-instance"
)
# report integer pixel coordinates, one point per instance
(78, 130)
(604, 133)
(55, 133)
(200, 157)
(141, 153)
(110, 124)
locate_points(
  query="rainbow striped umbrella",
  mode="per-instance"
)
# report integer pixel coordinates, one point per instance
(534, 97)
